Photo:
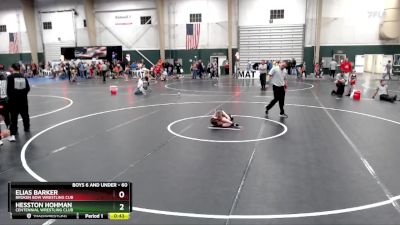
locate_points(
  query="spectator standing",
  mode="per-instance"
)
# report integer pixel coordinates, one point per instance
(200, 68)
(178, 67)
(388, 70)
(34, 69)
(346, 68)
(81, 66)
(352, 83)
(226, 67)
(332, 67)
(214, 70)
(263, 74)
(4, 110)
(104, 69)
(68, 70)
(17, 92)
(194, 70)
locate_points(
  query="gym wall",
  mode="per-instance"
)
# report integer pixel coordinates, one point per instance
(359, 21)
(277, 39)
(213, 30)
(257, 12)
(350, 26)
(11, 16)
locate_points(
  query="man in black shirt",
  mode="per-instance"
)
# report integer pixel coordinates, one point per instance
(68, 71)
(178, 67)
(17, 92)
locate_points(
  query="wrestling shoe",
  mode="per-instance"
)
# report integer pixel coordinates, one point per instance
(283, 115)
(11, 138)
(235, 125)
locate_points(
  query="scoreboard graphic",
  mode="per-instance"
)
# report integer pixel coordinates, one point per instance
(70, 200)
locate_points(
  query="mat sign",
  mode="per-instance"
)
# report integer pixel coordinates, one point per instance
(246, 74)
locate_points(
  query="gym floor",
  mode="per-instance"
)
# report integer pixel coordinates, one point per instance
(333, 161)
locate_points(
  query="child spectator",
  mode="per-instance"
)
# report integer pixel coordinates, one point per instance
(164, 75)
(352, 82)
(140, 87)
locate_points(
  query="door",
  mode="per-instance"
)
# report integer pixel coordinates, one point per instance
(396, 64)
(375, 63)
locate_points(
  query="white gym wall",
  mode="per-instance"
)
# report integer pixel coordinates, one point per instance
(118, 23)
(260, 39)
(11, 16)
(347, 22)
(214, 26)
(67, 27)
(257, 12)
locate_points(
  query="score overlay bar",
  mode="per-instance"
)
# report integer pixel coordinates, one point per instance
(69, 200)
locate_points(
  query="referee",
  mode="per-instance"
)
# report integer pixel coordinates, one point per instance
(278, 78)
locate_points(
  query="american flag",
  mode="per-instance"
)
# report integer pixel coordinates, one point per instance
(192, 35)
(14, 44)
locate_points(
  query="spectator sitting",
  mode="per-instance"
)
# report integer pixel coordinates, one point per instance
(164, 75)
(382, 91)
(133, 65)
(140, 87)
(115, 71)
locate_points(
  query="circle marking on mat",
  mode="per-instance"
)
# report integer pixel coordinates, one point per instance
(205, 91)
(169, 128)
(215, 216)
(53, 111)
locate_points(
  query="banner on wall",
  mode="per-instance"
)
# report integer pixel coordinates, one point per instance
(106, 52)
(123, 20)
(14, 44)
